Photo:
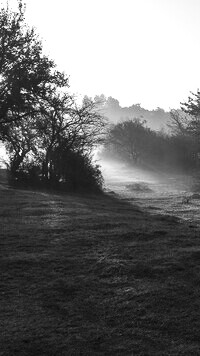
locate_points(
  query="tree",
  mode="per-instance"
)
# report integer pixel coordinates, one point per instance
(179, 123)
(28, 79)
(136, 143)
(19, 142)
(192, 110)
(26, 74)
(66, 127)
(128, 138)
(192, 106)
(39, 119)
(185, 125)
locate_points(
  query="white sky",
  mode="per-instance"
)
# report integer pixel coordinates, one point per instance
(138, 51)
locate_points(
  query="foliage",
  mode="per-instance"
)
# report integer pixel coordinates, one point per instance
(156, 119)
(74, 171)
(192, 106)
(185, 123)
(178, 149)
(39, 118)
(192, 110)
(68, 171)
(128, 138)
(136, 143)
(178, 123)
(27, 76)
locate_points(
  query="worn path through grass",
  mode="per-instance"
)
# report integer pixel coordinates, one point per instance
(92, 275)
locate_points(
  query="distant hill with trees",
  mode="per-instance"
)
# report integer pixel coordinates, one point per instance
(156, 119)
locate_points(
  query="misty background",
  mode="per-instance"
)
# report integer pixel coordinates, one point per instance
(131, 69)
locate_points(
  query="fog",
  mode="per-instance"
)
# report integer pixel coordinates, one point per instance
(156, 119)
(157, 192)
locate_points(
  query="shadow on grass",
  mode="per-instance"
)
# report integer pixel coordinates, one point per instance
(95, 275)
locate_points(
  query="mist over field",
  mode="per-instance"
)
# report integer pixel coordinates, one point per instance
(99, 194)
(171, 193)
(156, 168)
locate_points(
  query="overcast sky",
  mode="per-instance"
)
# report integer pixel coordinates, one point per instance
(138, 51)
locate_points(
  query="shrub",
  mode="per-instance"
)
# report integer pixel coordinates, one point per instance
(70, 171)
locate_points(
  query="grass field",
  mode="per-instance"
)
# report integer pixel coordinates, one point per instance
(92, 275)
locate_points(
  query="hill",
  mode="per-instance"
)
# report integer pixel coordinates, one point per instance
(88, 275)
(156, 119)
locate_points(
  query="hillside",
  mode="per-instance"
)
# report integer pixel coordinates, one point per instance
(93, 275)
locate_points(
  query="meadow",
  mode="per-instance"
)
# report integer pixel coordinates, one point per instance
(95, 275)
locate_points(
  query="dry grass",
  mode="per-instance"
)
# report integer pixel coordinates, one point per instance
(95, 276)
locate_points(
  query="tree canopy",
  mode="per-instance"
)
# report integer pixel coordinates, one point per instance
(27, 75)
(38, 115)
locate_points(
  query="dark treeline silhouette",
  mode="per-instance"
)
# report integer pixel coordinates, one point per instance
(48, 137)
(179, 149)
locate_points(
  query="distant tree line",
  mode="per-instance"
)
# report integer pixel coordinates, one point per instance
(156, 119)
(48, 136)
(178, 149)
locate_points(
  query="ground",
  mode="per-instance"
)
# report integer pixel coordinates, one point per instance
(94, 275)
